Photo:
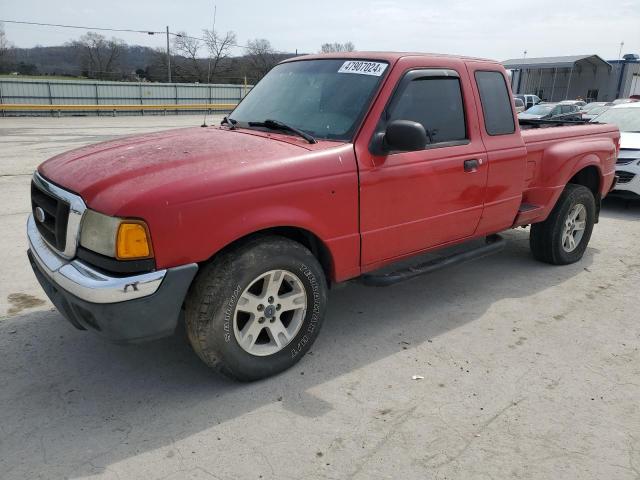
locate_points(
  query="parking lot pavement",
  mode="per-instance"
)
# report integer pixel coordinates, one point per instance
(530, 370)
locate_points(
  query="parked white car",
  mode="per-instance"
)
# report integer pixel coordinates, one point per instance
(627, 117)
(528, 100)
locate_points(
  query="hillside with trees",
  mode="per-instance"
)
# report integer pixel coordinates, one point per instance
(204, 59)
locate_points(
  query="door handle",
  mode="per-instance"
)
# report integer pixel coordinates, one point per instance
(471, 165)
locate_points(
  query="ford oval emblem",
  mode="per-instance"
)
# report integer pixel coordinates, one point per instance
(39, 214)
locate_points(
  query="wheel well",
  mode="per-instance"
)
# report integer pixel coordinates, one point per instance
(300, 235)
(590, 178)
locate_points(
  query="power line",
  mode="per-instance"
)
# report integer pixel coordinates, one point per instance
(104, 29)
(107, 29)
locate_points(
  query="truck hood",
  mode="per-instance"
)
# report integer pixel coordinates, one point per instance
(171, 164)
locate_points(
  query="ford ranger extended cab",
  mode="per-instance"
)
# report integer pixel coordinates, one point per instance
(332, 167)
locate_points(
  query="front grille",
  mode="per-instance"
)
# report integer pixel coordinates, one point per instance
(56, 216)
(624, 177)
(625, 161)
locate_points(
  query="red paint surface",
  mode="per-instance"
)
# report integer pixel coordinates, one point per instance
(200, 189)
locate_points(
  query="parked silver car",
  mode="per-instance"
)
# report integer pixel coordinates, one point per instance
(551, 111)
(593, 112)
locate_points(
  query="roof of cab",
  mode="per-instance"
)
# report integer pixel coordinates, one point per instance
(384, 56)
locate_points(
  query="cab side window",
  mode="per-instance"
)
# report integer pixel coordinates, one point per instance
(433, 101)
(496, 104)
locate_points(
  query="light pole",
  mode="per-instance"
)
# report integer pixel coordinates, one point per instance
(168, 57)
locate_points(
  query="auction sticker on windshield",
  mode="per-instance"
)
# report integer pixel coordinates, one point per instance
(363, 68)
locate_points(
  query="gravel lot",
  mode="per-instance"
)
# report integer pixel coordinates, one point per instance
(530, 371)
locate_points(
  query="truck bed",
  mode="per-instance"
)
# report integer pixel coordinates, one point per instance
(553, 153)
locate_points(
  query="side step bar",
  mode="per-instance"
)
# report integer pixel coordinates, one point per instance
(494, 244)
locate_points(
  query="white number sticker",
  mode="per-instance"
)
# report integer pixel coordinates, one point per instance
(363, 68)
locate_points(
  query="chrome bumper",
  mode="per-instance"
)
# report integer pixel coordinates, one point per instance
(86, 283)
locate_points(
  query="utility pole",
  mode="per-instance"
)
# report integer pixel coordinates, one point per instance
(168, 57)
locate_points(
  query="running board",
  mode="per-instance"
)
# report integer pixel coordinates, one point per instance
(494, 243)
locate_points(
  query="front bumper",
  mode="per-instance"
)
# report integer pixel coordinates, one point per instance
(629, 179)
(123, 309)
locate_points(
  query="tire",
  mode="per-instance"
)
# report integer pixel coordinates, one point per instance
(280, 328)
(549, 240)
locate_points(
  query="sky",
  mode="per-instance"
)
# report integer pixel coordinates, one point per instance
(498, 29)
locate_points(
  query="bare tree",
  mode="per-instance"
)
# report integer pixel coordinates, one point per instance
(261, 56)
(337, 47)
(219, 47)
(5, 45)
(7, 52)
(4, 42)
(188, 47)
(98, 55)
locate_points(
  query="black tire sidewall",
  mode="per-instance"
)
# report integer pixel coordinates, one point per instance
(244, 269)
(576, 195)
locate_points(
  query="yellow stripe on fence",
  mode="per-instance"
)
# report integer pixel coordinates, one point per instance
(24, 107)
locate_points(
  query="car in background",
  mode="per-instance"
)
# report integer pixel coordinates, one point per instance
(551, 111)
(579, 103)
(519, 105)
(529, 100)
(626, 117)
(593, 112)
(621, 101)
(592, 105)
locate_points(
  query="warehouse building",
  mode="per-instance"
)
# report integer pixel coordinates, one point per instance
(580, 76)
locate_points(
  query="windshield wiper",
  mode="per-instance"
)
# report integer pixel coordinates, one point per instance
(278, 125)
(229, 121)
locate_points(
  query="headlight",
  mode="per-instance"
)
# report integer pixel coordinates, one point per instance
(122, 238)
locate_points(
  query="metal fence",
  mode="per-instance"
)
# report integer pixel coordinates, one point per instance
(89, 92)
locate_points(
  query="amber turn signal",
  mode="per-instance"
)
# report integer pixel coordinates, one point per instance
(133, 241)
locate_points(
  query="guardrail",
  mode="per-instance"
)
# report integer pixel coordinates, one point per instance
(24, 107)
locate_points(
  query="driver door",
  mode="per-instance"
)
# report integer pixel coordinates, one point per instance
(412, 201)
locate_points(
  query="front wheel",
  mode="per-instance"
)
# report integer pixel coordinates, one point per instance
(563, 237)
(256, 310)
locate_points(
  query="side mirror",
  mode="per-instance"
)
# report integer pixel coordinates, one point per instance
(405, 136)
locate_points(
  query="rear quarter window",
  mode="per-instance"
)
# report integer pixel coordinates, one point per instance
(496, 104)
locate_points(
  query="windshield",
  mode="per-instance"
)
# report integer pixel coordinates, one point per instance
(597, 110)
(592, 106)
(626, 119)
(325, 98)
(540, 109)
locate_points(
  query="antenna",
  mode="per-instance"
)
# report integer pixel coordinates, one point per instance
(213, 33)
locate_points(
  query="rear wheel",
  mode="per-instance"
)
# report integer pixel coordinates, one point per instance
(256, 310)
(563, 237)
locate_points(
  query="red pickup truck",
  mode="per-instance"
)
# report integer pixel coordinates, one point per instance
(333, 167)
